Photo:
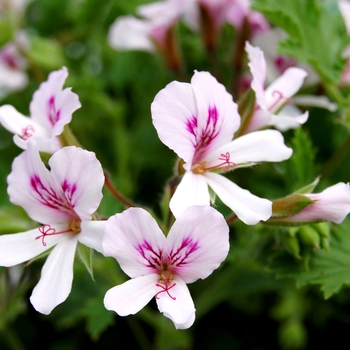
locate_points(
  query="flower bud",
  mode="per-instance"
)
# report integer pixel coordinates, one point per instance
(309, 236)
(292, 245)
(333, 204)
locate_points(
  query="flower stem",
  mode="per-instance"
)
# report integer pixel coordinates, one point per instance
(116, 193)
(231, 218)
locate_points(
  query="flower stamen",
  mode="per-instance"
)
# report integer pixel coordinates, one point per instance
(225, 166)
(280, 98)
(47, 230)
(166, 287)
(27, 132)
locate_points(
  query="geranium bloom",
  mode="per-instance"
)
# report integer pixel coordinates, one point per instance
(161, 266)
(148, 33)
(332, 204)
(50, 110)
(270, 101)
(12, 65)
(64, 201)
(198, 121)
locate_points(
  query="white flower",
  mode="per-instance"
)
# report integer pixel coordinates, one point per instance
(50, 110)
(161, 266)
(63, 200)
(198, 121)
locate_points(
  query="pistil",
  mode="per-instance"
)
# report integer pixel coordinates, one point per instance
(225, 166)
(280, 98)
(47, 230)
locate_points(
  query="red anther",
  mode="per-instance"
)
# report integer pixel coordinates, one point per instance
(27, 132)
(165, 289)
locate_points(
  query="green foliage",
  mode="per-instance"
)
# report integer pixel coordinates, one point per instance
(329, 269)
(316, 33)
(300, 168)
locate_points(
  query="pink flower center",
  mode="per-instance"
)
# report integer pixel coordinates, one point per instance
(27, 132)
(225, 166)
(47, 230)
(165, 282)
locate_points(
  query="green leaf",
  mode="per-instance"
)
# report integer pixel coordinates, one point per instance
(316, 33)
(300, 168)
(46, 53)
(329, 269)
(85, 254)
(309, 187)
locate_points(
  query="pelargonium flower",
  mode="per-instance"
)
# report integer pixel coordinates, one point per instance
(12, 65)
(63, 200)
(148, 33)
(50, 110)
(198, 121)
(161, 266)
(269, 101)
(332, 204)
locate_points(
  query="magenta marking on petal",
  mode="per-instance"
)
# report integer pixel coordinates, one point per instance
(181, 255)
(207, 134)
(192, 125)
(53, 114)
(49, 198)
(69, 191)
(152, 257)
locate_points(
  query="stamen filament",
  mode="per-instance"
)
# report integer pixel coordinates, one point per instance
(280, 97)
(47, 230)
(27, 132)
(226, 165)
(165, 288)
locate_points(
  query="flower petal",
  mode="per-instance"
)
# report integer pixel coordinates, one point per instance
(197, 243)
(192, 190)
(218, 117)
(180, 310)
(56, 277)
(284, 87)
(80, 178)
(257, 67)
(258, 146)
(131, 296)
(288, 118)
(32, 186)
(130, 33)
(17, 248)
(51, 106)
(174, 115)
(92, 233)
(344, 8)
(19, 124)
(248, 207)
(135, 240)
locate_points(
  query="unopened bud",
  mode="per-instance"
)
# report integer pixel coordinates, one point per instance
(309, 236)
(292, 245)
